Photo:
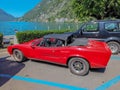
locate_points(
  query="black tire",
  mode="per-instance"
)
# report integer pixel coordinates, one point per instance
(18, 56)
(114, 47)
(78, 66)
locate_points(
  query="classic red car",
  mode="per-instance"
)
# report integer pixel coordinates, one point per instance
(78, 54)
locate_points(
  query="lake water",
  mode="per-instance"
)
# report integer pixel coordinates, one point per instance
(9, 28)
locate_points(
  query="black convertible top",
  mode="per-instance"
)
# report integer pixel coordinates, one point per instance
(69, 39)
(58, 36)
(79, 42)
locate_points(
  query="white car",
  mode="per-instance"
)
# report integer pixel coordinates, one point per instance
(6, 42)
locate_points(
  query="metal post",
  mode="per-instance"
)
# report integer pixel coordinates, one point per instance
(48, 28)
(68, 27)
(15, 38)
(59, 27)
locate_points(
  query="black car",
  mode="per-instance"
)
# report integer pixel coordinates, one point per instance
(103, 30)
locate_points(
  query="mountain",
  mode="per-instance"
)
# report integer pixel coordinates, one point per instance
(50, 11)
(5, 16)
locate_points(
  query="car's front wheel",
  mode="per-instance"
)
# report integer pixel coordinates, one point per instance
(114, 47)
(78, 66)
(18, 56)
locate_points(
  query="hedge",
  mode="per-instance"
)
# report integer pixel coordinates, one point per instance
(25, 36)
(1, 39)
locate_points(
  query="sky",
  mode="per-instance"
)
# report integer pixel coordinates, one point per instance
(18, 8)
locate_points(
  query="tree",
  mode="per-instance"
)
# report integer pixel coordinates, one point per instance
(99, 9)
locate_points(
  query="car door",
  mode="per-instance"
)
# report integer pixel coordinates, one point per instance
(113, 29)
(90, 30)
(61, 54)
(44, 53)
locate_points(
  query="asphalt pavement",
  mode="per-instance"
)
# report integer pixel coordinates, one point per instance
(32, 75)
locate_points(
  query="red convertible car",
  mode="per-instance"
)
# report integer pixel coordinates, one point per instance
(78, 54)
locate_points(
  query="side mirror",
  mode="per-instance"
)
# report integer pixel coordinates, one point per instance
(81, 32)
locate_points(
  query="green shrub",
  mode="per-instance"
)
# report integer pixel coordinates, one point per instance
(25, 36)
(1, 39)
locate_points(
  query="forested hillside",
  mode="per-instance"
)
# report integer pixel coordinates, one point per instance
(73, 10)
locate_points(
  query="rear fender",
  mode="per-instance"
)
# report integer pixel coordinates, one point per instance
(76, 57)
(113, 39)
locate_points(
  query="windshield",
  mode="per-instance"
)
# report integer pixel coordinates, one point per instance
(36, 41)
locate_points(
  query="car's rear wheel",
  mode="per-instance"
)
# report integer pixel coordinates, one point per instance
(18, 56)
(78, 66)
(114, 47)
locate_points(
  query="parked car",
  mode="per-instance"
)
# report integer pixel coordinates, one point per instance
(78, 54)
(6, 42)
(103, 30)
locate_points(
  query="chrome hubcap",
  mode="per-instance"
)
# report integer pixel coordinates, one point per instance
(113, 48)
(17, 56)
(78, 66)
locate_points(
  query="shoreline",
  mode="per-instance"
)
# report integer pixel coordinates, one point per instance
(8, 36)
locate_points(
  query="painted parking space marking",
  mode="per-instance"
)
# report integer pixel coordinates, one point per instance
(109, 84)
(104, 86)
(115, 57)
(53, 84)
